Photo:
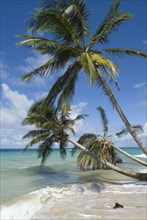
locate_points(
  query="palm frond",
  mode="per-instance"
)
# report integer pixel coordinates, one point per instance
(121, 52)
(77, 15)
(34, 119)
(36, 140)
(45, 149)
(43, 45)
(110, 24)
(101, 82)
(42, 119)
(63, 147)
(69, 127)
(65, 110)
(104, 120)
(66, 53)
(61, 83)
(84, 139)
(35, 107)
(58, 5)
(79, 117)
(111, 77)
(84, 160)
(69, 122)
(45, 20)
(88, 66)
(125, 131)
(96, 165)
(102, 61)
(55, 63)
(69, 89)
(34, 133)
(41, 71)
(48, 124)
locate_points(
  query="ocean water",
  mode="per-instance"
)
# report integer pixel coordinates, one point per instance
(60, 190)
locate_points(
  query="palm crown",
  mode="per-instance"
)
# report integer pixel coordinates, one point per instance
(51, 126)
(100, 145)
(64, 24)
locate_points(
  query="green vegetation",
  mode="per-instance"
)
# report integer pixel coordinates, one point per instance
(102, 146)
(52, 126)
(65, 26)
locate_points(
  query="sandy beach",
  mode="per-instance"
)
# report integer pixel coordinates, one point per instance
(82, 201)
(98, 204)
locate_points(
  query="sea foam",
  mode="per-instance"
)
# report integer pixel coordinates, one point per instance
(25, 208)
(29, 205)
(141, 155)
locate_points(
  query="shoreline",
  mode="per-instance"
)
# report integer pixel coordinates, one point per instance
(93, 200)
(60, 190)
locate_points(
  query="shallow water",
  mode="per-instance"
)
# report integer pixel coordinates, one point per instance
(61, 191)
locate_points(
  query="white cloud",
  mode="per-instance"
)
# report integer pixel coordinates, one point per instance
(81, 126)
(19, 101)
(140, 85)
(33, 62)
(77, 109)
(30, 63)
(17, 106)
(14, 108)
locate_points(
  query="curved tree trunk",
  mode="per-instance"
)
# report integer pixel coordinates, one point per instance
(129, 155)
(120, 112)
(139, 176)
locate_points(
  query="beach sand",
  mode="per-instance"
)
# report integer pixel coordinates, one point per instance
(85, 204)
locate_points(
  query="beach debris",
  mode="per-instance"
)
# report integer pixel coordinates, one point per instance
(117, 205)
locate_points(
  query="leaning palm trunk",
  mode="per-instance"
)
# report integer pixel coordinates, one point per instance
(129, 155)
(139, 176)
(120, 112)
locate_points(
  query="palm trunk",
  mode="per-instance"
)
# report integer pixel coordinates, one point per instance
(120, 112)
(139, 176)
(129, 155)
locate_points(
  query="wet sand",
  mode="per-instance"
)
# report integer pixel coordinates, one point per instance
(97, 204)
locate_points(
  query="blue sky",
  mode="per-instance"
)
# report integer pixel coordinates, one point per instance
(17, 96)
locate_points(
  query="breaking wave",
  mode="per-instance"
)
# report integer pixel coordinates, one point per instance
(27, 206)
(141, 155)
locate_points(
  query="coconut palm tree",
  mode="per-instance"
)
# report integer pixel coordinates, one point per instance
(102, 146)
(51, 127)
(73, 47)
(99, 147)
(129, 173)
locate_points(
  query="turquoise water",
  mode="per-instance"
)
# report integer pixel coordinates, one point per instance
(60, 190)
(21, 173)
